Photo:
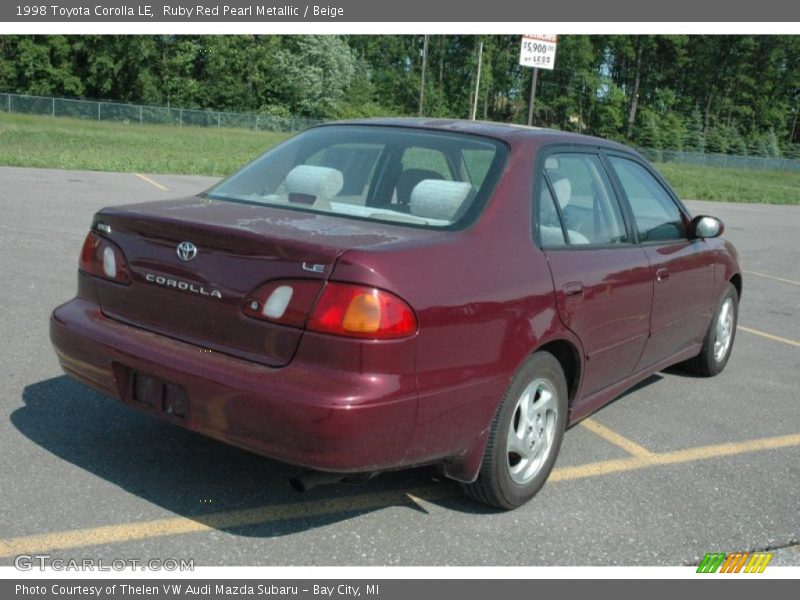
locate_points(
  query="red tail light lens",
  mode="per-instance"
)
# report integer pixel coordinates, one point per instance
(102, 258)
(287, 301)
(364, 312)
(340, 309)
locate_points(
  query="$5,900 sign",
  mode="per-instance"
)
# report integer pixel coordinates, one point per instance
(538, 50)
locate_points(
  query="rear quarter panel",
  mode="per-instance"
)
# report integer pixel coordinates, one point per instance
(484, 301)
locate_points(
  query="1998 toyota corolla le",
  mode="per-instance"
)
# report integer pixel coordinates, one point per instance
(382, 294)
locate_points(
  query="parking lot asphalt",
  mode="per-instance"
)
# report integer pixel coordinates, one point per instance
(676, 468)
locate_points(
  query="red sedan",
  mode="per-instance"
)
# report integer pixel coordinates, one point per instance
(376, 295)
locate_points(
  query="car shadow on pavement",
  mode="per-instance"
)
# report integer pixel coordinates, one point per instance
(681, 371)
(196, 477)
(654, 378)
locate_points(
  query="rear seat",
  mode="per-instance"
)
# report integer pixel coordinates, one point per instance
(438, 199)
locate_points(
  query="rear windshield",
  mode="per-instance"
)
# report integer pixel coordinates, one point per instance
(405, 176)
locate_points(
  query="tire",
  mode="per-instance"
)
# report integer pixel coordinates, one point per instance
(718, 341)
(521, 450)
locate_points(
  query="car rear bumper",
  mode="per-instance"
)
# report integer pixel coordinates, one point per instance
(305, 414)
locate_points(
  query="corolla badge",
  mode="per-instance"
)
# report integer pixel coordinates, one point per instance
(184, 286)
(187, 251)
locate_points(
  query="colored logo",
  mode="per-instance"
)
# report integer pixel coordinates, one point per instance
(734, 562)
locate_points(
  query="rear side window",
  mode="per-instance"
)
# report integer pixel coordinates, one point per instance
(587, 204)
(656, 215)
(401, 175)
(550, 231)
(428, 159)
(477, 162)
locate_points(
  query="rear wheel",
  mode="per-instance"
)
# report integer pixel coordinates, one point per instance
(525, 436)
(718, 341)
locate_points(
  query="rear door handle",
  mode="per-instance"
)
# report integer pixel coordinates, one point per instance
(573, 288)
(662, 274)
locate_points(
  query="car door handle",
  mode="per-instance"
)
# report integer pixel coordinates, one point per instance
(662, 274)
(573, 288)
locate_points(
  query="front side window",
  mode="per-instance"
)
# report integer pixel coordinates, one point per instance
(657, 217)
(588, 207)
(394, 174)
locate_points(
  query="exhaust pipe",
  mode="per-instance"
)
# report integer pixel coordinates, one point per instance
(312, 479)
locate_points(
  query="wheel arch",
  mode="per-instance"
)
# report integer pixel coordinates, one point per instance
(736, 280)
(567, 352)
(569, 357)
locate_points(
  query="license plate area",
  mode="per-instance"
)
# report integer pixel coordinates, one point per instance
(161, 395)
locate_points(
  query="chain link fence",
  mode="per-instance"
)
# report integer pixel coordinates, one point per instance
(186, 117)
(725, 161)
(150, 115)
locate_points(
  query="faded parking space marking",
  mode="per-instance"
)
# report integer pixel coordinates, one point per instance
(151, 182)
(767, 276)
(126, 532)
(613, 437)
(676, 457)
(269, 514)
(769, 336)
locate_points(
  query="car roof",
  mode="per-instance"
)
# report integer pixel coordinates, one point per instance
(507, 132)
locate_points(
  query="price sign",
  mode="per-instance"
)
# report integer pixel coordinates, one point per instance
(538, 50)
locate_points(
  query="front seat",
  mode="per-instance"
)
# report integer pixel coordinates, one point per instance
(313, 186)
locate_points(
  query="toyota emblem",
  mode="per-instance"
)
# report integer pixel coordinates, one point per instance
(187, 251)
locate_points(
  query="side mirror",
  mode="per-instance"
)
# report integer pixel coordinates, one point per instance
(704, 226)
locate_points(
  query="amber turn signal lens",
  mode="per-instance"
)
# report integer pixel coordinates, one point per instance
(360, 311)
(363, 315)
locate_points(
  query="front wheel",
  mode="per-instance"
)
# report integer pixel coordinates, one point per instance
(718, 341)
(525, 435)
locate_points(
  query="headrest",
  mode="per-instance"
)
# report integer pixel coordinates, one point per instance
(409, 180)
(438, 199)
(563, 190)
(309, 180)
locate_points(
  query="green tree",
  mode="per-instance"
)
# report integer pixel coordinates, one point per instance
(317, 72)
(717, 140)
(695, 90)
(609, 116)
(695, 139)
(736, 142)
(673, 132)
(649, 133)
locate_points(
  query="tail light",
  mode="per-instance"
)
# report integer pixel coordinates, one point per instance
(102, 258)
(339, 309)
(365, 312)
(287, 302)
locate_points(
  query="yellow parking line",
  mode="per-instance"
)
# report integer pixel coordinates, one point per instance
(613, 437)
(125, 532)
(111, 534)
(671, 458)
(769, 336)
(151, 182)
(766, 276)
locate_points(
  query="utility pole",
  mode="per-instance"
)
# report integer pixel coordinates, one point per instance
(537, 50)
(422, 76)
(477, 84)
(534, 79)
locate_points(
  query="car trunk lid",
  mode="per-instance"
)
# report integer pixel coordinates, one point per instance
(238, 248)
